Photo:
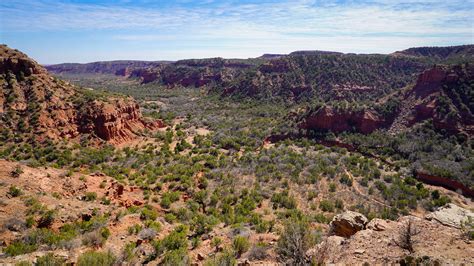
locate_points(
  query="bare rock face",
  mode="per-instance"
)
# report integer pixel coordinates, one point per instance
(145, 75)
(124, 72)
(451, 215)
(327, 118)
(347, 223)
(429, 81)
(439, 95)
(117, 122)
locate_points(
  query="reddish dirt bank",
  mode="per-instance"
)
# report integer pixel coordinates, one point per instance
(446, 183)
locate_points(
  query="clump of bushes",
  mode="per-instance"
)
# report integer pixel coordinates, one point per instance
(90, 196)
(13, 191)
(295, 240)
(240, 244)
(96, 258)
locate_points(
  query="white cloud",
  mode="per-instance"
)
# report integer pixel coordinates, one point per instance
(224, 28)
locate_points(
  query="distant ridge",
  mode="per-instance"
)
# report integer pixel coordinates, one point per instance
(439, 52)
(315, 52)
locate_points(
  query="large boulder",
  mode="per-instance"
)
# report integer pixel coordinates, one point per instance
(451, 215)
(347, 223)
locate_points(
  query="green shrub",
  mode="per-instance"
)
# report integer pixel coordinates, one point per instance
(153, 225)
(177, 239)
(19, 247)
(345, 179)
(148, 214)
(13, 191)
(294, 241)
(47, 219)
(170, 218)
(283, 199)
(129, 252)
(176, 257)
(49, 260)
(326, 206)
(240, 245)
(105, 232)
(17, 171)
(96, 258)
(165, 202)
(225, 258)
(90, 196)
(216, 242)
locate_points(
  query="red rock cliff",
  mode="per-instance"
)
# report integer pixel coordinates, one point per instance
(44, 108)
(117, 122)
(327, 118)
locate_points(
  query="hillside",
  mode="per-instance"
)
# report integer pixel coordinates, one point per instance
(35, 105)
(441, 94)
(452, 54)
(107, 67)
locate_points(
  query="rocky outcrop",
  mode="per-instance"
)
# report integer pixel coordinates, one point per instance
(329, 119)
(378, 224)
(347, 223)
(117, 122)
(437, 243)
(440, 94)
(45, 108)
(145, 75)
(124, 72)
(429, 81)
(451, 215)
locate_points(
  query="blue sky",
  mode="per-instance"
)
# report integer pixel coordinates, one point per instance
(86, 30)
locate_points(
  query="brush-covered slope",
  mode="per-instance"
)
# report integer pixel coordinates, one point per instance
(301, 74)
(453, 54)
(34, 105)
(443, 94)
(104, 67)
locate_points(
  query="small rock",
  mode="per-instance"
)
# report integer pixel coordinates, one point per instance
(377, 225)
(359, 251)
(244, 263)
(200, 256)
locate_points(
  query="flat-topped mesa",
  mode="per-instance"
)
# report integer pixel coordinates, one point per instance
(44, 108)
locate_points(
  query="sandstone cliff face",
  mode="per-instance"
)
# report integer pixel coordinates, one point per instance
(329, 119)
(117, 122)
(145, 75)
(444, 95)
(44, 108)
